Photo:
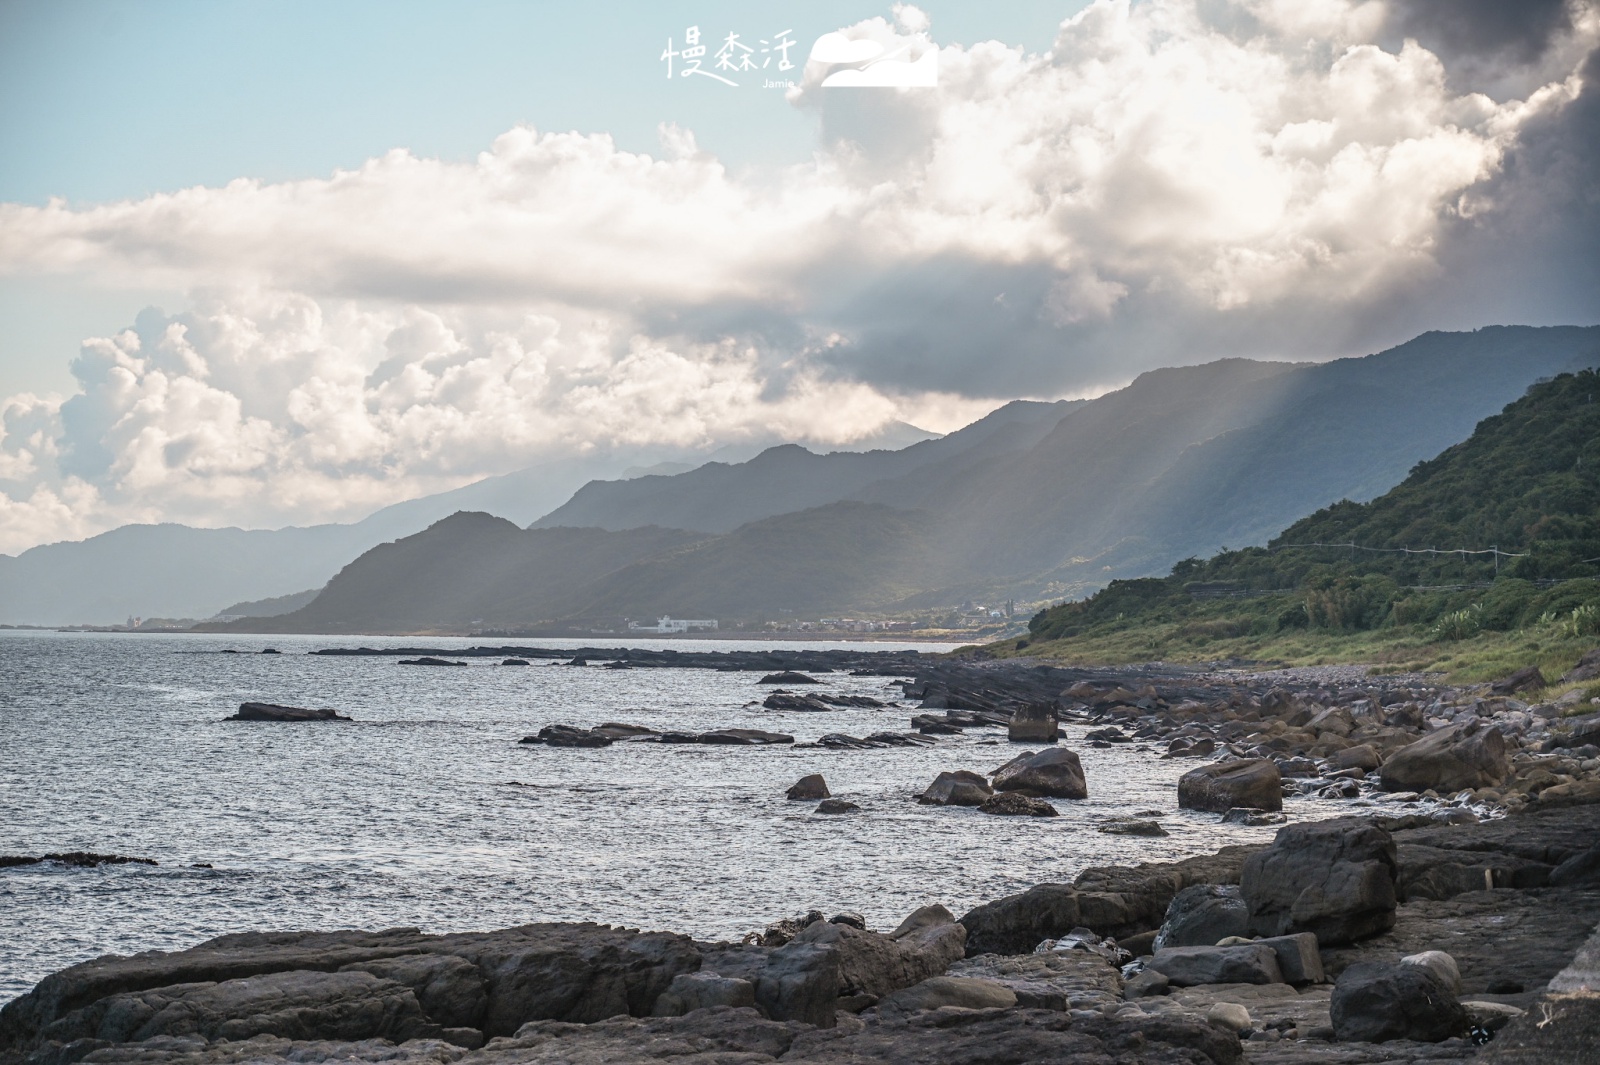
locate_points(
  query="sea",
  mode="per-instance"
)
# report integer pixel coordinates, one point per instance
(425, 811)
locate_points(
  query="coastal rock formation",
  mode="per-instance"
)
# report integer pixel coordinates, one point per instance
(1202, 915)
(788, 676)
(274, 712)
(1054, 774)
(1014, 804)
(1470, 755)
(809, 788)
(1335, 879)
(1221, 786)
(1246, 963)
(1034, 723)
(960, 788)
(1375, 1002)
(729, 737)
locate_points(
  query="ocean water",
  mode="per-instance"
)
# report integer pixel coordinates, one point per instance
(425, 810)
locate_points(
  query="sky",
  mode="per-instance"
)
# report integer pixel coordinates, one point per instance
(272, 263)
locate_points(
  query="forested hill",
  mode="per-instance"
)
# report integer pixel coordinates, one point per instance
(1527, 482)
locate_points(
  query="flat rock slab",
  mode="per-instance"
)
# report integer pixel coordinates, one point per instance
(1059, 979)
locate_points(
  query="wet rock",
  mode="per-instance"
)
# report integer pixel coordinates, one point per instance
(1441, 965)
(1202, 915)
(809, 788)
(620, 731)
(1056, 774)
(515, 662)
(702, 990)
(1252, 782)
(274, 712)
(960, 788)
(450, 989)
(569, 736)
(940, 991)
(1241, 815)
(428, 660)
(930, 725)
(788, 676)
(729, 737)
(1034, 723)
(1457, 757)
(1335, 879)
(76, 859)
(1013, 804)
(1247, 963)
(837, 806)
(1374, 1002)
(1132, 827)
(797, 703)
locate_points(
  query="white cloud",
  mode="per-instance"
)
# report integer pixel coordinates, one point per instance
(414, 323)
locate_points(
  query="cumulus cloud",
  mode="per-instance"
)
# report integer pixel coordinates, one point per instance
(1173, 180)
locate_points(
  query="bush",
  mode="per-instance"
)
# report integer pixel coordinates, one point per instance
(1458, 624)
(1583, 621)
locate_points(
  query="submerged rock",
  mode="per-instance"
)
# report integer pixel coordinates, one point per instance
(809, 788)
(960, 788)
(428, 660)
(1014, 804)
(274, 712)
(837, 806)
(76, 859)
(788, 676)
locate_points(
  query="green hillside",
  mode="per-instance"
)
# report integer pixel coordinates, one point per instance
(1527, 482)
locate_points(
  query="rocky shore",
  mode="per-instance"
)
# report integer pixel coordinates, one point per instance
(1447, 919)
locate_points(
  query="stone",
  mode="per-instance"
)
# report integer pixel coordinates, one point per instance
(1034, 723)
(1580, 870)
(1588, 668)
(1132, 827)
(1247, 963)
(1229, 1016)
(702, 990)
(515, 662)
(1374, 1002)
(449, 988)
(1526, 679)
(1243, 815)
(837, 806)
(788, 676)
(274, 712)
(430, 661)
(1053, 979)
(937, 992)
(1461, 756)
(1363, 756)
(1441, 965)
(1220, 786)
(569, 736)
(743, 737)
(1299, 958)
(1052, 774)
(960, 788)
(809, 788)
(617, 730)
(1199, 916)
(1335, 879)
(1145, 984)
(929, 725)
(1491, 1016)
(1012, 804)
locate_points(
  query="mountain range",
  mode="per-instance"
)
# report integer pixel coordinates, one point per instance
(1035, 501)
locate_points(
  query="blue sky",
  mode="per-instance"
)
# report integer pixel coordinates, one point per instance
(106, 100)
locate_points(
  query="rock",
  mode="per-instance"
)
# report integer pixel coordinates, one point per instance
(1132, 827)
(1299, 958)
(1220, 786)
(702, 990)
(1034, 723)
(428, 661)
(1441, 965)
(1247, 963)
(837, 806)
(934, 726)
(854, 920)
(1199, 916)
(1012, 804)
(76, 859)
(788, 676)
(619, 731)
(570, 736)
(1526, 679)
(450, 989)
(1145, 984)
(1335, 879)
(940, 991)
(1229, 1016)
(1363, 756)
(1055, 774)
(273, 712)
(1241, 815)
(960, 788)
(515, 662)
(1580, 870)
(1491, 1016)
(742, 737)
(1053, 980)
(799, 703)
(1457, 757)
(809, 788)
(1588, 668)
(1374, 1002)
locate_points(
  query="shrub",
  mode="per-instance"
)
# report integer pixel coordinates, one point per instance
(1458, 624)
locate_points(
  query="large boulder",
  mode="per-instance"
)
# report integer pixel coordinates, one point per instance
(702, 990)
(274, 712)
(1221, 786)
(1201, 915)
(1467, 755)
(809, 788)
(1374, 1002)
(1245, 963)
(1052, 774)
(1335, 879)
(960, 788)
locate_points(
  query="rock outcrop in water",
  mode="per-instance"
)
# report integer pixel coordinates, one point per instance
(273, 712)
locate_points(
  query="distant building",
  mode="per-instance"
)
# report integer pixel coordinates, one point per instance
(668, 625)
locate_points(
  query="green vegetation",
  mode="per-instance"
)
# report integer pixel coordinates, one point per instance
(1527, 482)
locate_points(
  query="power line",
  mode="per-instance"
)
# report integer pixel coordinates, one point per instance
(1495, 551)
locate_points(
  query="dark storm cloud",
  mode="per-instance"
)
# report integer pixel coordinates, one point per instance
(1512, 30)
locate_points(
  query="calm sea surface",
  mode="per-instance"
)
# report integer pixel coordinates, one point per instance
(408, 816)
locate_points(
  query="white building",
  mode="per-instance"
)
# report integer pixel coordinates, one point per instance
(666, 624)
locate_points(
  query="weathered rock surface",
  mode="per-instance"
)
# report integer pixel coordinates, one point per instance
(1374, 1002)
(1034, 723)
(1220, 786)
(1054, 980)
(937, 992)
(960, 788)
(1202, 915)
(77, 859)
(809, 788)
(1014, 804)
(1335, 879)
(1247, 963)
(1470, 755)
(274, 712)
(1056, 773)
(729, 737)
(569, 736)
(788, 676)
(702, 990)
(837, 806)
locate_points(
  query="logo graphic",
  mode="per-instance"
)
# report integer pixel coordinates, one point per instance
(864, 64)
